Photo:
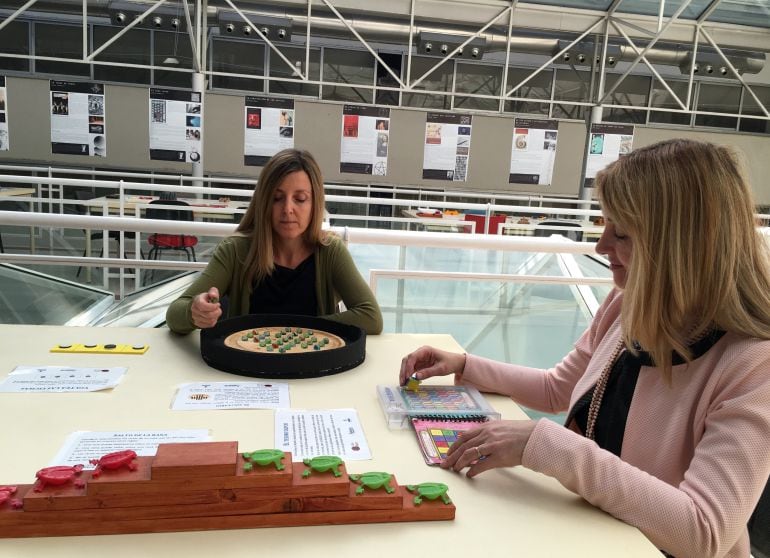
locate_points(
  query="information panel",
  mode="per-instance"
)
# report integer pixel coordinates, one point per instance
(607, 144)
(533, 150)
(447, 146)
(5, 143)
(77, 118)
(365, 138)
(268, 128)
(176, 125)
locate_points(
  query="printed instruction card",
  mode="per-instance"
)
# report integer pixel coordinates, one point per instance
(308, 433)
(231, 395)
(60, 379)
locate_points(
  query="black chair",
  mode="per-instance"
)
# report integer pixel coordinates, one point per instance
(759, 533)
(577, 236)
(163, 241)
(97, 236)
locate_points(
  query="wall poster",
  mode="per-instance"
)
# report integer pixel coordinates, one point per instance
(268, 128)
(608, 142)
(77, 118)
(533, 150)
(365, 138)
(447, 146)
(176, 125)
(4, 140)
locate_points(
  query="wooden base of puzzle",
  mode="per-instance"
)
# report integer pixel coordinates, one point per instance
(203, 486)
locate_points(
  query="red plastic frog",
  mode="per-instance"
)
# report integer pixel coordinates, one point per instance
(114, 460)
(57, 476)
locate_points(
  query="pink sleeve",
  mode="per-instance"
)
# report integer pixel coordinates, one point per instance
(706, 514)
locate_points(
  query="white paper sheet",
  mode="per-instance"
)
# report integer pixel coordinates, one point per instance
(82, 446)
(231, 395)
(308, 433)
(59, 379)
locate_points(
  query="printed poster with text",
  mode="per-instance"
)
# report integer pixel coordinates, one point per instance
(5, 144)
(533, 151)
(608, 142)
(365, 137)
(268, 128)
(77, 118)
(176, 125)
(447, 146)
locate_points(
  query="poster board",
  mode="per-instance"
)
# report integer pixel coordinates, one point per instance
(533, 151)
(176, 125)
(447, 146)
(365, 139)
(5, 143)
(268, 127)
(78, 124)
(607, 143)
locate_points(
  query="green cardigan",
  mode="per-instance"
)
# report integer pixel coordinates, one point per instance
(337, 279)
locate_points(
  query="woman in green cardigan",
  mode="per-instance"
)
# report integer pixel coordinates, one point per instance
(280, 261)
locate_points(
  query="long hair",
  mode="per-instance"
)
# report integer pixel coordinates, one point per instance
(257, 222)
(698, 261)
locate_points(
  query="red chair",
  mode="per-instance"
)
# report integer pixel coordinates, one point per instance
(165, 241)
(481, 221)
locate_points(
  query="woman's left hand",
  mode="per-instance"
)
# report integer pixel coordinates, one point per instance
(496, 444)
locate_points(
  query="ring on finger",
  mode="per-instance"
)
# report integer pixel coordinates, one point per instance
(478, 453)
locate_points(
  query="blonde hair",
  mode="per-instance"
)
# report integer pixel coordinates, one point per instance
(698, 261)
(257, 222)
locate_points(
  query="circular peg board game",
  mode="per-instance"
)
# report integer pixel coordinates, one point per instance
(280, 339)
(228, 347)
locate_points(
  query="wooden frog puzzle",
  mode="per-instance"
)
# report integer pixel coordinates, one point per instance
(210, 485)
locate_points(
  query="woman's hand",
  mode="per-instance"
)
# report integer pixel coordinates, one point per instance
(427, 361)
(205, 309)
(495, 444)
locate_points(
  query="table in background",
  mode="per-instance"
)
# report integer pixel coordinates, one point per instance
(439, 223)
(511, 512)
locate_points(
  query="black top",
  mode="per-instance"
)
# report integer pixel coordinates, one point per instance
(287, 291)
(613, 412)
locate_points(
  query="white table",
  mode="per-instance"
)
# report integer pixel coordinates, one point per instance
(512, 512)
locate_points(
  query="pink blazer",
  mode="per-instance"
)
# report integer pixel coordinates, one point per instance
(696, 454)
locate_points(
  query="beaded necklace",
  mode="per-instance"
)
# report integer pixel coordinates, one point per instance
(598, 395)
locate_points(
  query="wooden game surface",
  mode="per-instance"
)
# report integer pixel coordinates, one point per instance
(283, 339)
(224, 348)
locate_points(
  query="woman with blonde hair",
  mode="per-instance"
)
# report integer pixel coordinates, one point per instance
(668, 391)
(280, 261)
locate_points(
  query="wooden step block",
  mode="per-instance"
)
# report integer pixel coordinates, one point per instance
(189, 461)
(124, 481)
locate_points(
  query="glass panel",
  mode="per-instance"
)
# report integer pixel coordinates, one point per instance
(14, 39)
(348, 67)
(439, 80)
(238, 57)
(27, 297)
(60, 41)
(633, 91)
(571, 85)
(662, 99)
(652, 7)
(751, 107)
(479, 79)
(714, 97)
(278, 68)
(131, 48)
(146, 307)
(394, 62)
(539, 87)
(172, 50)
(753, 14)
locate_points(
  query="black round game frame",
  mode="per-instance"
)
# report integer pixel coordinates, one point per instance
(282, 365)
